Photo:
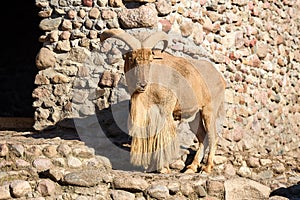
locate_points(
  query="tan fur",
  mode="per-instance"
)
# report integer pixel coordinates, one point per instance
(177, 88)
(208, 85)
(154, 140)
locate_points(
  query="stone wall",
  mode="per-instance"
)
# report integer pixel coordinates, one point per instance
(255, 44)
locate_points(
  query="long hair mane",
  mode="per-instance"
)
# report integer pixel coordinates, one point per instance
(154, 140)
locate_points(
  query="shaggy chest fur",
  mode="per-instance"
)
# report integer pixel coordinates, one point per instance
(157, 95)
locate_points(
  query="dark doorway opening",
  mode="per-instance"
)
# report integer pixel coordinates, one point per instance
(19, 48)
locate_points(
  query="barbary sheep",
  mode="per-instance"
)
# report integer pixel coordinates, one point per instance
(165, 88)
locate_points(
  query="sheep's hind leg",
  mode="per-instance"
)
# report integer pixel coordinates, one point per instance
(202, 139)
(210, 160)
(210, 124)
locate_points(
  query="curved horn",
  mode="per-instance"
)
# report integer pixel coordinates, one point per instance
(120, 34)
(154, 38)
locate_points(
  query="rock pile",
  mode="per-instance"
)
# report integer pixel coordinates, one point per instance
(46, 166)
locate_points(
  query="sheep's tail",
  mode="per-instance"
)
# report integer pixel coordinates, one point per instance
(155, 145)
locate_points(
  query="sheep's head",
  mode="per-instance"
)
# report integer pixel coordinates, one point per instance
(138, 61)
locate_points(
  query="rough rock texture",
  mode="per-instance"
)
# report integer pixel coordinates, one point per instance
(36, 165)
(144, 16)
(80, 86)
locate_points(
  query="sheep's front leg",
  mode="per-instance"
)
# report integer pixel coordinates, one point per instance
(193, 167)
(165, 170)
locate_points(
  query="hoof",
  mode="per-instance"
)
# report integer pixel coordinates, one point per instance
(207, 169)
(165, 170)
(191, 169)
